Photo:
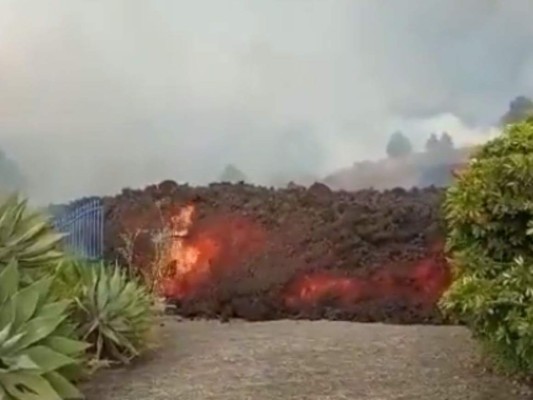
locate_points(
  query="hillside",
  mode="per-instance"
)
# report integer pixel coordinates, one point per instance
(418, 169)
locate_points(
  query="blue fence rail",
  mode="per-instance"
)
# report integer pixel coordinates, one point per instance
(83, 223)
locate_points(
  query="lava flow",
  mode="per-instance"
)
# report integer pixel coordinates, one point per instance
(422, 283)
(310, 289)
(244, 251)
(197, 253)
(219, 245)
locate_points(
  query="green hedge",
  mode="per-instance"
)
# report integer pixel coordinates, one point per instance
(489, 214)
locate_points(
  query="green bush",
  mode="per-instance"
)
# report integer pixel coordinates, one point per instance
(113, 312)
(38, 358)
(489, 213)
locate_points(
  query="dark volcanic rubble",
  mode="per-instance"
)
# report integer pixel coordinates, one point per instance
(295, 252)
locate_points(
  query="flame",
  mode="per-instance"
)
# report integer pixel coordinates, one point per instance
(198, 252)
(182, 222)
(190, 258)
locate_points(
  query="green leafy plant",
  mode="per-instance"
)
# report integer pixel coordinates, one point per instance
(38, 356)
(27, 236)
(69, 278)
(489, 213)
(115, 313)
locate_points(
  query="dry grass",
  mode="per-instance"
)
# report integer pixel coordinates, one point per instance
(152, 272)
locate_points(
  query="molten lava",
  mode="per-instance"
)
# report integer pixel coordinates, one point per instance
(313, 288)
(204, 252)
(200, 254)
(422, 283)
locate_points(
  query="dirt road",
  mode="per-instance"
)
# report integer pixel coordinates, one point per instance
(293, 360)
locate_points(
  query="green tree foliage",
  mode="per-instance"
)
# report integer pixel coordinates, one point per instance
(489, 212)
(399, 145)
(232, 174)
(11, 177)
(519, 109)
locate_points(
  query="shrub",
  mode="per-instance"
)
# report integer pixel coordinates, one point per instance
(114, 313)
(37, 359)
(489, 212)
(27, 236)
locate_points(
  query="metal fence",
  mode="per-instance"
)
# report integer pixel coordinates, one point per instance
(84, 225)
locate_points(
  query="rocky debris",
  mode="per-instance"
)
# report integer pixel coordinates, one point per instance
(296, 252)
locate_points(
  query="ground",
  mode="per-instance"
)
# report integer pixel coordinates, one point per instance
(306, 360)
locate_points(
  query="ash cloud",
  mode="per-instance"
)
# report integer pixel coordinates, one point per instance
(99, 95)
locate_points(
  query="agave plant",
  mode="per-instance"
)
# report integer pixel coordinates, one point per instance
(115, 313)
(38, 358)
(69, 277)
(27, 236)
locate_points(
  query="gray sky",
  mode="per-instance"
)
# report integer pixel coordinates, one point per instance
(96, 95)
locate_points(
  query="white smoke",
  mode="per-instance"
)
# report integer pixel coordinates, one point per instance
(98, 95)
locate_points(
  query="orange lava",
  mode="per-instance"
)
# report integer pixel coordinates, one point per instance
(321, 285)
(211, 247)
(204, 252)
(431, 280)
(422, 283)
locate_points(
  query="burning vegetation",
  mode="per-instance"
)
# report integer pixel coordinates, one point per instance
(239, 251)
(198, 255)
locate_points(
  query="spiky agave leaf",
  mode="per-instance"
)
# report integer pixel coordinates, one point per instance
(27, 236)
(115, 313)
(34, 353)
(67, 279)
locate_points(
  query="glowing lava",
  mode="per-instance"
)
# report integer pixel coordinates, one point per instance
(313, 288)
(203, 252)
(215, 246)
(422, 283)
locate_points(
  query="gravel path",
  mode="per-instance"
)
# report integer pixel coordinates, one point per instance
(305, 360)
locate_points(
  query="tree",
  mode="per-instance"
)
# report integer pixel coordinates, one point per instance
(443, 144)
(399, 145)
(432, 144)
(446, 142)
(519, 109)
(232, 174)
(489, 213)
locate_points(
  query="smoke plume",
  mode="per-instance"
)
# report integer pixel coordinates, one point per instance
(99, 95)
